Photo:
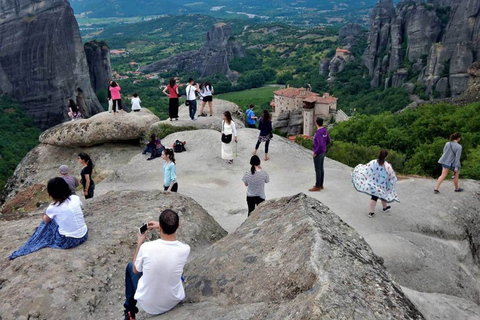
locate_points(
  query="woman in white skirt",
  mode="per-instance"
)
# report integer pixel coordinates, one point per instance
(229, 131)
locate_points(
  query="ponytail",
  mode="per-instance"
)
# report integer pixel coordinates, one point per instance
(254, 161)
(170, 155)
(382, 156)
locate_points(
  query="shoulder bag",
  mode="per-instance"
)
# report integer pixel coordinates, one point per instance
(226, 138)
(187, 102)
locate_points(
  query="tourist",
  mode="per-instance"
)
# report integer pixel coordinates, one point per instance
(116, 97)
(378, 180)
(109, 96)
(251, 119)
(265, 127)
(73, 110)
(255, 180)
(169, 171)
(228, 131)
(154, 278)
(154, 146)
(173, 95)
(62, 226)
(320, 142)
(86, 173)
(136, 103)
(206, 91)
(191, 102)
(450, 160)
(70, 180)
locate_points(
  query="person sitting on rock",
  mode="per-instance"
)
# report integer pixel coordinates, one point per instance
(136, 103)
(154, 278)
(63, 225)
(154, 147)
(73, 110)
(71, 180)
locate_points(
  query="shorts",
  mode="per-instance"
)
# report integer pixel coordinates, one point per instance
(207, 98)
(448, 167)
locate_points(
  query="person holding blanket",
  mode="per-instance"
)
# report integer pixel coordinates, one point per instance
(378, 180)
(62, 226)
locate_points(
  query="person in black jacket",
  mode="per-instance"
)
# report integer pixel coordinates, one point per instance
(265, 127)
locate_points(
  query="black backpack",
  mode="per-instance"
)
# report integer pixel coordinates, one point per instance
(179, 146)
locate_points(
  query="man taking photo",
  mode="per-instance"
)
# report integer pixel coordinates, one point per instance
(153, 279)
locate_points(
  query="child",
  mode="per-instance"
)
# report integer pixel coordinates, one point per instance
(136, 103)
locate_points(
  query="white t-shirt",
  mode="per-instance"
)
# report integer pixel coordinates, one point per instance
(206, 91)
(69, 217)
(136, 103)
(160, 287)
(190, 91)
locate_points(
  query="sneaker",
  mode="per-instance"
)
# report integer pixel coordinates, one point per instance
(459, 190)
(371, 214)
(386, 209)
(435, 191)
(151, 158)
(315, 189)
(129, 315)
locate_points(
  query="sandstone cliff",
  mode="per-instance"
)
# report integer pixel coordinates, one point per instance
(214, 57)
(98, 58)
(42, 62)
(436, 41)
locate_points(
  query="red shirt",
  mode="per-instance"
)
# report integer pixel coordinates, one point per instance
(173, 92)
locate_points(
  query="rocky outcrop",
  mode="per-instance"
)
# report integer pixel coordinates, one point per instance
(349, 34)
(417, 34)
(101, 128)
(290, 123)
(42, 62)
(87, 282)
(98, 59)
(292, 259)
(472, 94)
(213, 58)
(396, 36)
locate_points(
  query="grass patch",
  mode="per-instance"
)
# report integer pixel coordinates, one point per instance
(260, 97)
(164, 129)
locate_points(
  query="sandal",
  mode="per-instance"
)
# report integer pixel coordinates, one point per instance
(266, 159)
(435, 191)
(459, 190)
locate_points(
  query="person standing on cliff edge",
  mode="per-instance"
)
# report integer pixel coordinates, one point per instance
(320, 142)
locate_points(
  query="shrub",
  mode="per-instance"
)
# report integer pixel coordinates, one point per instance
(164, 129)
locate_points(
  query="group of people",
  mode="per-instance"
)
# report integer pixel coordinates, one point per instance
(114, 98)
(153, 279)
(203, 91)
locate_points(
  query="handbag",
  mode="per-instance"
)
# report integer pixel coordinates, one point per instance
(226, 138)
(187, 102)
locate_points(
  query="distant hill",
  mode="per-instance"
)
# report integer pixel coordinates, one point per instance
(302, 12)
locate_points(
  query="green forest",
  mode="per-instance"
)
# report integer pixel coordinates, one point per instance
(18, 135)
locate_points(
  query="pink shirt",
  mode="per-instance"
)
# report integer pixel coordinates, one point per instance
(115, 92)
(172, 91)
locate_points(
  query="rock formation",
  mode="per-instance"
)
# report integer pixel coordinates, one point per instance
(42, 62)
(87, 282)
(349, 34)
(101, 128)
(290, 123)
(293, 259)
(98, 58)
(213, 58)
(416, 35)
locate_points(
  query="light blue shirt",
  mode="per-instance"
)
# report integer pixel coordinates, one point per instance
(169, 173)
(250, 114)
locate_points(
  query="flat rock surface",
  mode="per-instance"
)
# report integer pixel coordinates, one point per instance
(101, 128)
(301, 261)
(87, 282)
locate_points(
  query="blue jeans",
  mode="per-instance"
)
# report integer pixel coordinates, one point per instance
(192, 108)
(131, 283)
(319, 170)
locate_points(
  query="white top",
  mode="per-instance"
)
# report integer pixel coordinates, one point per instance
(69, 217)
(160, 287)
(229, 128)
(136, 103)
(206, 91)
(190, 92)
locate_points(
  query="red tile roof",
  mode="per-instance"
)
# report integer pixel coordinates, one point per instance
(306, 95)
(343, 50)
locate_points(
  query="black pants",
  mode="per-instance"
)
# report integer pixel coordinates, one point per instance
(251, 126)
(252, 202)
(266, 145)
(174, 187)
(117, 103)
(173, 108)
(319, 170)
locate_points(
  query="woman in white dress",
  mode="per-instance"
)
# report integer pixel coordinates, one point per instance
(229, 131)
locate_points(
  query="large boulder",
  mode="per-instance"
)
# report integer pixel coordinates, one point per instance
(87, 282)
(42, 62)
(101, 128)
(293, 258)
(98, 58)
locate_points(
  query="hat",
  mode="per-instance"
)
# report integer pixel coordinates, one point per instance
(63, 169)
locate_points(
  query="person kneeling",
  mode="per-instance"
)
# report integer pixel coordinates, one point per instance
(153, 279)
